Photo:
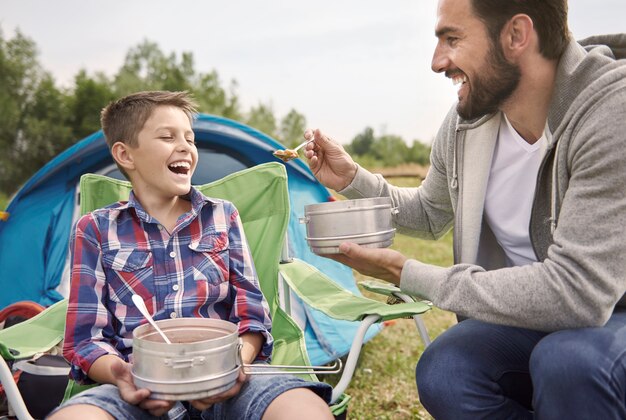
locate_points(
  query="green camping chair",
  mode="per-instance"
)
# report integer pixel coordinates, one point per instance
(261, 196)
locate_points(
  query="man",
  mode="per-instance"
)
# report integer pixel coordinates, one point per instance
(529, 169)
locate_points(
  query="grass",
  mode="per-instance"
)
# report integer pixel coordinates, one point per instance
(383, 386)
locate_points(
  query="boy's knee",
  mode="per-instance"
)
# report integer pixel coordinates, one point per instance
(299, 403)
(80, 411)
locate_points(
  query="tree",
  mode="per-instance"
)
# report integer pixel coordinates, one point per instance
(292, 128)
(45, 132)
(33, 113)
(39, 120)
(214, 99)
(147, 68)
(262, 118)
(89, 97)
(390, 150)
(362, 144)
(419, 153)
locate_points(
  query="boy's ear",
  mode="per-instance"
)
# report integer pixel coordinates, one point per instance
(122, 155)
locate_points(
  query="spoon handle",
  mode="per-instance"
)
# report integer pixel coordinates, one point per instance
(301, 145)
(138, 301)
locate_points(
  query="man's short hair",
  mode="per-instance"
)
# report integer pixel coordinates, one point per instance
(549, 18)
(122, 120)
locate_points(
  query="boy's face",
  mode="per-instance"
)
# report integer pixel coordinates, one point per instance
(165, 156)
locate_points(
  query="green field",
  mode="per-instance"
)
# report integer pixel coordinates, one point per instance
(383, 386)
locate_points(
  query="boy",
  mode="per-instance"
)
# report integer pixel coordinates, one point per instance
(146, 246)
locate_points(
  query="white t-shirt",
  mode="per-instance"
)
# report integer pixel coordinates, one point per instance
(510, 192)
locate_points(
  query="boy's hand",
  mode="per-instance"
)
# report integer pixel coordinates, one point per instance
(132, 395)
(207, 402)
(251, 345)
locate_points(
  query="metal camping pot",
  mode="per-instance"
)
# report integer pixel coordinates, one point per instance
(365, 221)
(203, 360)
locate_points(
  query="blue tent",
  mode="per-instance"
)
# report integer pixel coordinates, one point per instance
(34, 239)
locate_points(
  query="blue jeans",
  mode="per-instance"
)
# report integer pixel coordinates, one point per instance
(477, 370)
(250, 404)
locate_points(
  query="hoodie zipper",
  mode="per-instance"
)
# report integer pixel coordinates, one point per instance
(454, 185)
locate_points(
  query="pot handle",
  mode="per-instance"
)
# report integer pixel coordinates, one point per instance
(291, 369)
(285, 369)
(394, 207)
(184, 363)
(304, 220)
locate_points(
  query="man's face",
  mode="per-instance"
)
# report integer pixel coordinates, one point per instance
(467, 55)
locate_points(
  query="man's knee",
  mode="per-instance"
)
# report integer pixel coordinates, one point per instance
(438, 371)
(559, 359)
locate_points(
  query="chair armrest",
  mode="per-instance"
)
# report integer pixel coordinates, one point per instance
(394, 294)
(382, 288)
(323, 294)
(35, 335)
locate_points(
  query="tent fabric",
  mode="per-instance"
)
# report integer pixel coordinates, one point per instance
(35, 237)
(260, 194)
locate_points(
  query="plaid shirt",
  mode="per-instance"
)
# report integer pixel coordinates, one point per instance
(202, 269)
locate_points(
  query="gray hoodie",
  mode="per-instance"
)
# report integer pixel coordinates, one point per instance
(578, 221)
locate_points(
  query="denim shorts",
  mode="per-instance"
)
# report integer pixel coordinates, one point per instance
(251, 402)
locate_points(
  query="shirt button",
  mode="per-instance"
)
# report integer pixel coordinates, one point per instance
(175, 287)
(160, 227)
(172, 254)
(173, 315)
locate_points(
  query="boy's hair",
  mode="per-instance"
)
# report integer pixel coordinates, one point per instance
(122, 120)
(549, 18)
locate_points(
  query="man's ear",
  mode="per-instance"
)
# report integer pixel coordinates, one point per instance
(122, 154)
(518, 34)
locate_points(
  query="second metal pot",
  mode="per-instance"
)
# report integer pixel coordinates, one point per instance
(366, 221)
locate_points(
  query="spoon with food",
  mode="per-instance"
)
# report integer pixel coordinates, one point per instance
(287, 154)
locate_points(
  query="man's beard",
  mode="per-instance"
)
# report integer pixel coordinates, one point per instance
(498, 81)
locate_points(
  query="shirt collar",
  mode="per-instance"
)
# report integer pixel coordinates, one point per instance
(198, 200)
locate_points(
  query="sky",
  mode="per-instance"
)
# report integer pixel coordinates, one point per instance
(344, 64)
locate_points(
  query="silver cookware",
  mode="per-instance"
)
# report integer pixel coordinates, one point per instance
(202, 360)
(365, 221)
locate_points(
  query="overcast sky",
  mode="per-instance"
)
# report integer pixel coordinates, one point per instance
(344, 64)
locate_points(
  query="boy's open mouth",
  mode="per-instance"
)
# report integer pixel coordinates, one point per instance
(181, 167)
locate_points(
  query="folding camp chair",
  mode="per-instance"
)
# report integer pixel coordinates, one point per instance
(261, 196)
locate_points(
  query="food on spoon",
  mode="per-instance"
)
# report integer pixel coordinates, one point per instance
(286, 155)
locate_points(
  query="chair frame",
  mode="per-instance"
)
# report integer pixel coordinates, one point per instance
(381, 312)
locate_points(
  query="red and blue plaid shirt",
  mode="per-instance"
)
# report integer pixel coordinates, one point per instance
(203, 268)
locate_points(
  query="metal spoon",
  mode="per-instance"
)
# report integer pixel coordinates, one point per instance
(287, 154)
(301, 145)
(138, 301)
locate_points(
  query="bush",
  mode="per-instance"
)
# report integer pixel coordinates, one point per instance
(368, 161)
(4, 201)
